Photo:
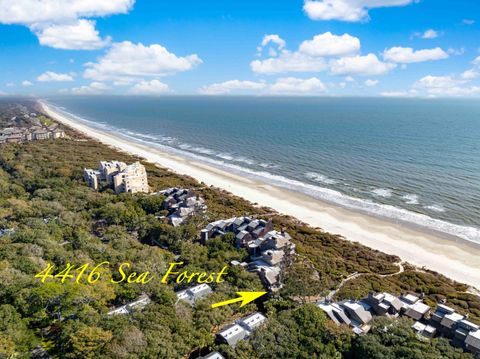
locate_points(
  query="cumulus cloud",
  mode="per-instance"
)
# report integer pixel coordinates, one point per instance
(273, 38)
(371, 83)
(476, 61)
(368, 65)
(126, 62)
(292, 85)
(346, 10)
(310, 55)
(26, 83)
(80, 35)
(282, 86)
(470, 74)
(328, 44)
(230, 86)
(446, 86)
(429, 34)
(95, 88)
(288, 62)
(410, 93)
(153, 87)
(61, 23)
(51, 76)
(406, 55)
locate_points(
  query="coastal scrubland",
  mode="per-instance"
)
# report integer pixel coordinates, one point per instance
(57, 219)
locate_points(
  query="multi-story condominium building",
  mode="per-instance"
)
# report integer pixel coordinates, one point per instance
(132, 179)
(124, 178)
(109, 169)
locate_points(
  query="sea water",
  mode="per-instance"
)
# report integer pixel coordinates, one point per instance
(410, 160)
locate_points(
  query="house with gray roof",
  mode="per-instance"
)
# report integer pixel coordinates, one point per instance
(358, 312)
(472, 343)
(424, 330)
(191, 295)
(335, 313)
(417, 311)
(253, 321)
(384, 303)
(463, 328)
(129, 308)
(232, 335)
(241, 329)
(269, 251)
(181, 203)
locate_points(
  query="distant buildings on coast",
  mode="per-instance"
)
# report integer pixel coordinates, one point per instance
(444, 321)
(120, 176)
(35, 132)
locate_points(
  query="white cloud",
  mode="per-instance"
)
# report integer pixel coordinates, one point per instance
(292, 85)
(282, 86)
(51, 76)
(470, 74)
(288, 62)
(94, 88)
(328, 44)
(153, 87)
(406, 55)
(37, 11)
(371, 83)
(274, 39)
(232, 85)
(456, 52)
(10, 84)
(446, 86)
(80, 35)
(430, 34)
(410, 93)
(310, 55)
(437, 82)
(346, 10)
(61, 23)
(468, 22)
(26, 83)
(476, 61)
(126, 61)
(368, 65)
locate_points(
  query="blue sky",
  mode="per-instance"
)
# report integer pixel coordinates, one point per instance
(313, 47)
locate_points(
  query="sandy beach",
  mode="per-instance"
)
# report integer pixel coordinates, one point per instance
(452, 257)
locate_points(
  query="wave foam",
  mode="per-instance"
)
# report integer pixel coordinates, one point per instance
(382, 192)
(411, 198)
(435, 208)
(468, 233)
(317, 177)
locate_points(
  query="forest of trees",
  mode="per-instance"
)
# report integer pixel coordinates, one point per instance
(57, 219)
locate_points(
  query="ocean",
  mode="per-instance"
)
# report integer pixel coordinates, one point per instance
(407, 160)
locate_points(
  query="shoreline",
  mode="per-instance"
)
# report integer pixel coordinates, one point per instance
(454, 258)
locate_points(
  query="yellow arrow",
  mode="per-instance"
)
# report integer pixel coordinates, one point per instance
(245, 298)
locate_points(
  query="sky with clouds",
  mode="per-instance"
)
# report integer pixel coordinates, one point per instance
(410, 48)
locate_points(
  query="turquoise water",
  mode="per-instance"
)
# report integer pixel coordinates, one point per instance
(412, 160)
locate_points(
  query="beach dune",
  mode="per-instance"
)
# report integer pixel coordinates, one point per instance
(453, 257)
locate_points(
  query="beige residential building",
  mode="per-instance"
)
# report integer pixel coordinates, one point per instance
(132, 179)
(109, 169)
(91, 177)
(124, 178)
